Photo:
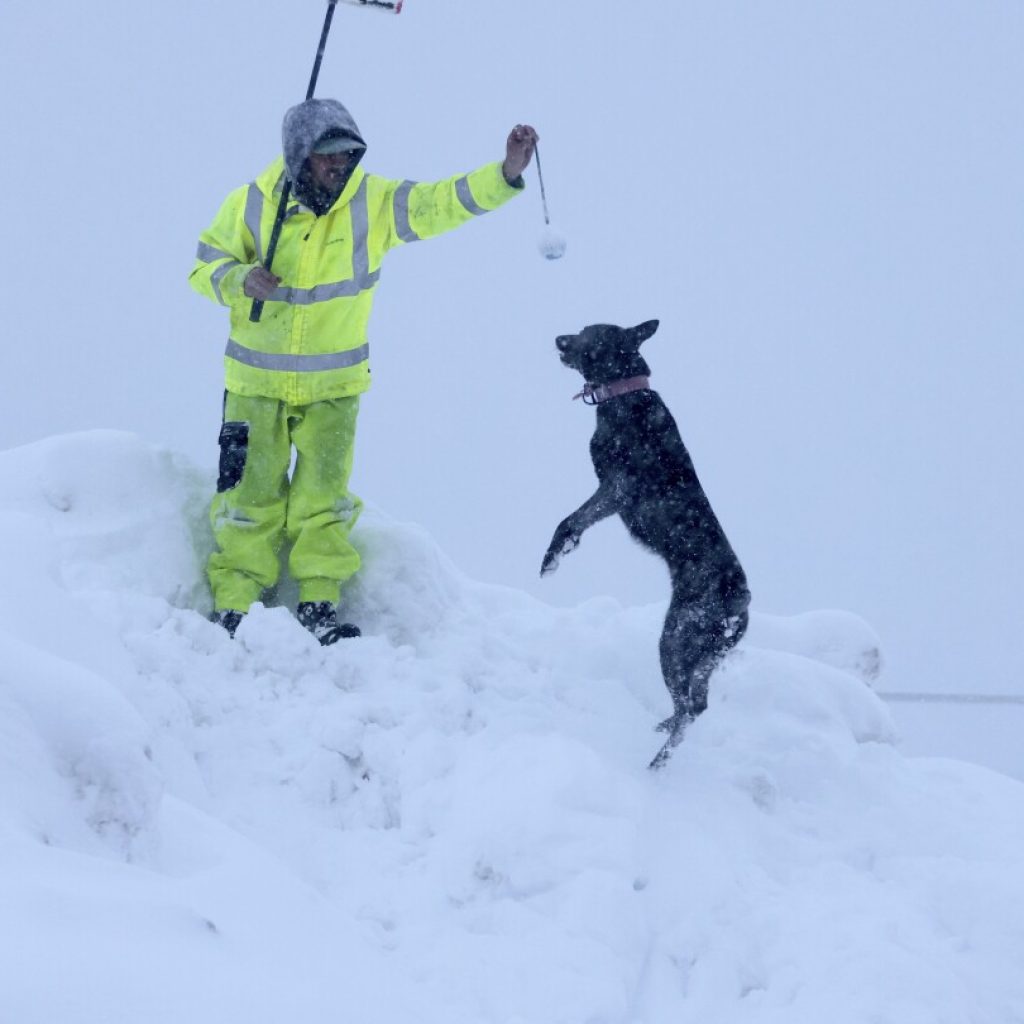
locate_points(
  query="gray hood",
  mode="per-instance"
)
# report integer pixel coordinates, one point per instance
(307, 123)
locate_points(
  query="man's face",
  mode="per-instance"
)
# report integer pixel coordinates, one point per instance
(330, 171)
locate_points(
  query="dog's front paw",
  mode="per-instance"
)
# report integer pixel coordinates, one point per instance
(564, 541)
(550, 563)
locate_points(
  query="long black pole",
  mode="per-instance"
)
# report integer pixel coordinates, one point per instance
(257, 305)
(320, 49)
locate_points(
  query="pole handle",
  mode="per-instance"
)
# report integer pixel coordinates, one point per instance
(390, 6)
(257, 304)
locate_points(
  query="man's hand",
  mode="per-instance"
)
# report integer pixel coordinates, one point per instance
(522, 141)
(259, 283)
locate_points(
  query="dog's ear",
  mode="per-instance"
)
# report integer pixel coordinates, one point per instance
(643, 331)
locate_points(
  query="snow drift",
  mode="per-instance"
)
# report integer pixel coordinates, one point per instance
(450, 819)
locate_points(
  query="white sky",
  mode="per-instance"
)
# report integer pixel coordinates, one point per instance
(822, 204)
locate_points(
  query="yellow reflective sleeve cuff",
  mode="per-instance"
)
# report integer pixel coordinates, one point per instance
(231, 282)
(489, 187)
(221, 281)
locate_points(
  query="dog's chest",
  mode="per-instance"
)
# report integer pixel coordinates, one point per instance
(639, 440)
(632, 428)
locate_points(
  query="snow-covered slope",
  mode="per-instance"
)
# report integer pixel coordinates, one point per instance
(450, 819)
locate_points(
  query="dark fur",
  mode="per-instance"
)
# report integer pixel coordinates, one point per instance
(646, 476)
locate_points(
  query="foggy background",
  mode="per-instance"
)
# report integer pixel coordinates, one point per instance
(820, 202)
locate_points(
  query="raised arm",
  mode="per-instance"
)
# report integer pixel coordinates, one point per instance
(424, 210)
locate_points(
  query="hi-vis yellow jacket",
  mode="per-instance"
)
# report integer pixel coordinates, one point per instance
(311, 343)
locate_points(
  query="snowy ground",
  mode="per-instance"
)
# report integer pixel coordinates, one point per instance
(450, 819)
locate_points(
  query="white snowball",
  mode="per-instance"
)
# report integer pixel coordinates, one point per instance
(551, 244)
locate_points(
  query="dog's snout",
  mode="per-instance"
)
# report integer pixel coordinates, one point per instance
(561, 341)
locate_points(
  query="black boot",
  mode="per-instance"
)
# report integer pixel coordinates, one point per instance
(229, 619)
(321, 619)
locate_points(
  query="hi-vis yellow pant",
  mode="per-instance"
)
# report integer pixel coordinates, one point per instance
(257, 507)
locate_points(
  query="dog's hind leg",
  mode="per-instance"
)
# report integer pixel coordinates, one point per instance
(679, 651)
(696, 637)
(726, 633)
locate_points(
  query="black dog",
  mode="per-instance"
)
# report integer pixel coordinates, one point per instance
(646, 475)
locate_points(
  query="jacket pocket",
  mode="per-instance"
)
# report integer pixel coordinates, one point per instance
(234, 447)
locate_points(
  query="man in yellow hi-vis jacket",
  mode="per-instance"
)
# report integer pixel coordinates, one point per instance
(294, 377)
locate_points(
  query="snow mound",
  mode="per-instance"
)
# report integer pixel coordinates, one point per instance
(450, 819)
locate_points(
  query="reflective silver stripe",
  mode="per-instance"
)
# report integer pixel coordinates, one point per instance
(362, 280)
(462, 190)
(254, 218)
(218, 275)
(402, 225)
(360, 236)
(324, 292)
(296, 364)
(208, 254)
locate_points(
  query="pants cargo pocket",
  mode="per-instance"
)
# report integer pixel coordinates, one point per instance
(234, 446)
